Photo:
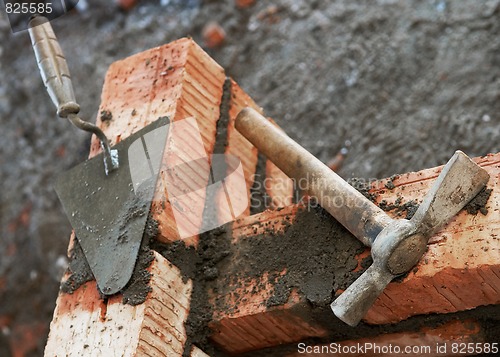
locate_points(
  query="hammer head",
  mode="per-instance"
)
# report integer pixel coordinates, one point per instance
(401, 244)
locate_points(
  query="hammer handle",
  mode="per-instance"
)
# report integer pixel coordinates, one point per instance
(53, 67)
(353, 210)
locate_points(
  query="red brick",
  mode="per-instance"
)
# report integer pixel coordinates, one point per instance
(178, 80)
(460, 271)
(84, 324)
(213, 34)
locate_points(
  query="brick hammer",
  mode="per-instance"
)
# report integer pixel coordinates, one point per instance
(396, 244)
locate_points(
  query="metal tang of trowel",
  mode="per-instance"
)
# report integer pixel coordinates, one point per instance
(107, 198)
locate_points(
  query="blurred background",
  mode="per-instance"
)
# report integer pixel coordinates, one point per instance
(401, 85)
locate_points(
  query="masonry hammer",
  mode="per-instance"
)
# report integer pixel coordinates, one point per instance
(396, 244)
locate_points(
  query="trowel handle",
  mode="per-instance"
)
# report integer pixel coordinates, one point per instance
(53, 66)
(353, 210)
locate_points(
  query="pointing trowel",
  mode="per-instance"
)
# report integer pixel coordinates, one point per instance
(106, 207)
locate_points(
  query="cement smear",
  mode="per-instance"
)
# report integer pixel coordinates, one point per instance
(137, 289)
(478, 203)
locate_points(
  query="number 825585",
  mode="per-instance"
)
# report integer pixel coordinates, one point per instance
(475, 348)
(28, 8)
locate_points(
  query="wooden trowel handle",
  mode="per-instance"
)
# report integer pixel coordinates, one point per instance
(53, 67)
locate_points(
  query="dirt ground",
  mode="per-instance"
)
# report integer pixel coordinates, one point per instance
(402, 84)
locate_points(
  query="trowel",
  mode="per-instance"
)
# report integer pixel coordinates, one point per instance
(107, 198)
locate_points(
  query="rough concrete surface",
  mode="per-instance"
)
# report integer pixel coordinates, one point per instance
(406, 83)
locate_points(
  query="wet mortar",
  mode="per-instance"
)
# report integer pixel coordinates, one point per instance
(219, 164)
(478, 203)
(259, 199)
(223, 121)
(202, 266)
(401, 208)
(364, 187)
(137, 289)
(317, 256)
(317, 253)
(106, 116)
(78, 269)
(390, 182)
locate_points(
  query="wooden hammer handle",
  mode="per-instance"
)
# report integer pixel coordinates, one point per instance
(353, 210)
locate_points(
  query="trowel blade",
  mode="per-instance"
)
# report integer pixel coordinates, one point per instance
(109, 212)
